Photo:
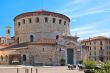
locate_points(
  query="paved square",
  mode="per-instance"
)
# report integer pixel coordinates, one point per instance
(41, 69)
(57, 70)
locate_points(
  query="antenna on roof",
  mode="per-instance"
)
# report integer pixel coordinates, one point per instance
(89, 38)
(75, 34)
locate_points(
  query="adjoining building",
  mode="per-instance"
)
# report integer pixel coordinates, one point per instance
(8, 40)
(42, 38)
(99, 48)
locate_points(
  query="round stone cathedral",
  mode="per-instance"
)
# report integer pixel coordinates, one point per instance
(42, 38)
(40, 25)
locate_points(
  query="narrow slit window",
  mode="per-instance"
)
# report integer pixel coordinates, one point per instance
(53, 20)
(19, 24)
(64, 22)
(23, 21)
(46, 19)
(37, 20)
(60, 21)
(30, 21)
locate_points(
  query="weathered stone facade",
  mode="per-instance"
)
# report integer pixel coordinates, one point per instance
(43, 37)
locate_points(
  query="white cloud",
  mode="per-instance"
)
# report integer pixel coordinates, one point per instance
(78, 8)
(86, 32)
(84, 11)
(76, 2)
(107, 34)
(84, 28)
(89, 12)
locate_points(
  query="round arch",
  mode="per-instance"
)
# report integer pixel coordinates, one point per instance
(24, 57)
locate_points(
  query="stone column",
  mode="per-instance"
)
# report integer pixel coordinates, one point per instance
(74, 55)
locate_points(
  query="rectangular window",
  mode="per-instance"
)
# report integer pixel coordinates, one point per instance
(101, 43)
(107, 47)
(37, 19)
(85, 43)
(90, 48)
(90, 43)
(95, 58)
(23, 21)
(53, 20)
(43, 49)
(107, 52)
(60, 21)
(94, 52)
(100, 48)
(46, 19)
(94, 42)
(94, 48)
(30, 21)
(90, 53)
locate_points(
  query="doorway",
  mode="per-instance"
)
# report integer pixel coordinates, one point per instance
(70, 56)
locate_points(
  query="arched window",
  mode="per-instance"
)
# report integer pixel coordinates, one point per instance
(6, 58)
(31, 38)
(8, 31)
(17, 40)
(57, 37)
(24, 57)
(1, 58)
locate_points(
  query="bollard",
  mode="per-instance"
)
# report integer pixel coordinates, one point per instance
(36, 70)
(31, 70)
(26, 70)
(17, 70)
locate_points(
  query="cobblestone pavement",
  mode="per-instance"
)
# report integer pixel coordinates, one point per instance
(43, 69)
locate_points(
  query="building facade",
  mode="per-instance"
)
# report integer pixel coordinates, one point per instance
(99, 48)
(42, 38)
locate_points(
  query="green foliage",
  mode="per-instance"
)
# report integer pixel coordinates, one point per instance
(89, 71)
(90, 64)
(62, 62)
(105, 67)
(81, 62)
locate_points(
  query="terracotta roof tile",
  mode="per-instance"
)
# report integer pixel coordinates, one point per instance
(95, 38)
(41, 12)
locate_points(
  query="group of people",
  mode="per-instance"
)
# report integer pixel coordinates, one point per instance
(72, 66)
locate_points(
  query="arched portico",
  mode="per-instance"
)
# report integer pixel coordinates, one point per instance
(71, 52)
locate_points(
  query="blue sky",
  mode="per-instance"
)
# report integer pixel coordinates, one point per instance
(89, 18)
